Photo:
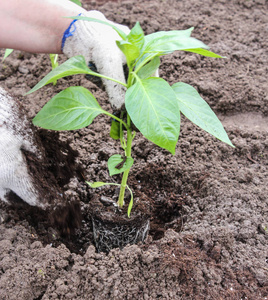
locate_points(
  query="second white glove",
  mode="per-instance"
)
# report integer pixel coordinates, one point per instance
(97, 43)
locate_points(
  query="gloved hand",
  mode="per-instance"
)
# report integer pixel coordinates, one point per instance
(97, 43)
(14, 175)
(24, 168)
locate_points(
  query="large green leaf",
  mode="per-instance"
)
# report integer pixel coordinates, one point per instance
(165, 42)
(74, 65)
(153, 108)
(159, 34)
(71, 109)
(198, 111)
(152, 41)
(169, 41)
(115, 160)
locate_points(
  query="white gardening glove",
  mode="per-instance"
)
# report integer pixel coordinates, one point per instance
(30, 183)
(14, 136)
(97, 43)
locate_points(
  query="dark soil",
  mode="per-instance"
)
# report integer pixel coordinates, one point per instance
(208, 202)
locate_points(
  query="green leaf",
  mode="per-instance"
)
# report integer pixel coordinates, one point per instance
(74, 65)
(71, 109)
(54, 60)
(165, 42)
(100, 184)
(204, 52)
(169, 41)
(7, 53)
(115, 130)
(149, 69)
(132, 45)
(198, 111)
(136, 36)
(153, 108)
(77, 2)
(131, 51)
(120, 32)
(117, 159)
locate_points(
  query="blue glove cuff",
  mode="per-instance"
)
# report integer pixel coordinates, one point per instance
(68, 32)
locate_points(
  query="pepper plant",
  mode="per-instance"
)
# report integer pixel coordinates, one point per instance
(151, 104)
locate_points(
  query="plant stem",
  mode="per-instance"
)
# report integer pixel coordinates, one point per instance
(128, 154)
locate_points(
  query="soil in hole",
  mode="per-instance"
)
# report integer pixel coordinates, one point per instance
(166, 213)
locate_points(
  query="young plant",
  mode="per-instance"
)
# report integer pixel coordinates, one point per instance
(152, 105)
(7, 53)
(54, 63)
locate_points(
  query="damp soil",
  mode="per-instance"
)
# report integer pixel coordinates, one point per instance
(208, 203)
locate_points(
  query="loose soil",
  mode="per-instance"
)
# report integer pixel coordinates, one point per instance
(208, 202)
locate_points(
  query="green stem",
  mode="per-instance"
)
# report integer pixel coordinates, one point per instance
(116, 118)
(125, 174)
(106, 77)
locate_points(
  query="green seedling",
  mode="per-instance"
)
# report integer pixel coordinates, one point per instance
(54, 63)
(152, 105)
(7, 53)
(41, 273)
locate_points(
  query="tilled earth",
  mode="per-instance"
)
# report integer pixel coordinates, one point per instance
(209, 204)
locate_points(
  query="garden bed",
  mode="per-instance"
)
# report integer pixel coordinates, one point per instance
(208, 202)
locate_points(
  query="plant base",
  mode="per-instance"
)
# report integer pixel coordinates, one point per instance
(111, 231)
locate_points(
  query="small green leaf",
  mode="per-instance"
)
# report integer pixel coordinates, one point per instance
(198, 111)
(149, 69)
(77, 2)
(54, 60)
(132, 45)
(115, 160)
(153, 108)
(115, 130)
(130, 50)
(71, 109)
(100, 184)
(7, 53)
(204, 52)
(136, 36)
